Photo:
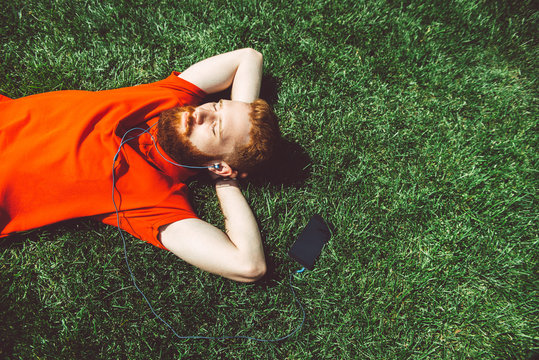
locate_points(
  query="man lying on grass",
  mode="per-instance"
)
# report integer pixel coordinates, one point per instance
(58, 156)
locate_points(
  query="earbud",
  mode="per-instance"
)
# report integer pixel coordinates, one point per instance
(217, 166)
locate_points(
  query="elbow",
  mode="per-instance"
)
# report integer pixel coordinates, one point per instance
(253, 55)
(253, 272)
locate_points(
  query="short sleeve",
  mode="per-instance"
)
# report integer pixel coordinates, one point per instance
(184, 88)
(144, 223)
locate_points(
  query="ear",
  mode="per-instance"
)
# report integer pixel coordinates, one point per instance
(223, 169)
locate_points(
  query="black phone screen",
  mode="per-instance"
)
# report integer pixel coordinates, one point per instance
(308, 246)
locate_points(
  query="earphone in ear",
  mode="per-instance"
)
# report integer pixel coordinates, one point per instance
(217, 166)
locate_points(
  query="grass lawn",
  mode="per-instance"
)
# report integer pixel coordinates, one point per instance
(410, 125)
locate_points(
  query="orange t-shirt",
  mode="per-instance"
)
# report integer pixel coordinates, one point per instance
(57, 151)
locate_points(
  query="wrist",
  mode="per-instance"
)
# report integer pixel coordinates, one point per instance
(226, 182)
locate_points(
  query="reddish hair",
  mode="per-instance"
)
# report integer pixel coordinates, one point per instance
(263, 135)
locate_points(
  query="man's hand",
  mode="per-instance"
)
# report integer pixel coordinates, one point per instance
(240, 68)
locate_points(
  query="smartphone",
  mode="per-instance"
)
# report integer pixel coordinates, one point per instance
(308, 246)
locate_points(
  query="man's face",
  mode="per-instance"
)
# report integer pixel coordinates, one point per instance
(217, 128)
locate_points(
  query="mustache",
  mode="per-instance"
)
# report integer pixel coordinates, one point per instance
(190, 118)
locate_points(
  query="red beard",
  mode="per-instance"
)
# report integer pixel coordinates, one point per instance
(177, 144)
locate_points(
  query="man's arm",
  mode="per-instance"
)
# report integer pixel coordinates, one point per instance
(241, 69)
(237, 255)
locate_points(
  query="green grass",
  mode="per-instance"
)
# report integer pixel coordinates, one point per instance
(419, 123)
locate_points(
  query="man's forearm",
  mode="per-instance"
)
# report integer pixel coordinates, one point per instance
(237, 255)
(248, 78)
(241, 226)
(240, 68)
